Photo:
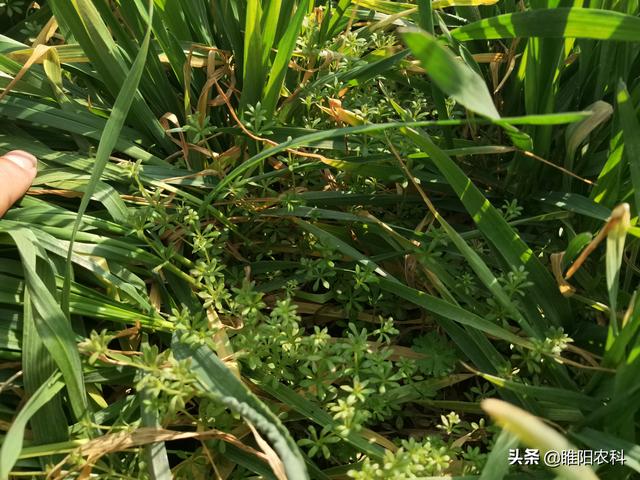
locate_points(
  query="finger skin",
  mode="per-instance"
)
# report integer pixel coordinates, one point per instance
(15, 180)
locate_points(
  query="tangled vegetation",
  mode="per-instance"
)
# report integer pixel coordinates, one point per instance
(284, 239)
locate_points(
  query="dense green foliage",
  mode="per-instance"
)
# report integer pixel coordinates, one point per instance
(279, 239)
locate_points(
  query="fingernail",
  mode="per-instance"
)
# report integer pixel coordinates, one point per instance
(22, 159)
